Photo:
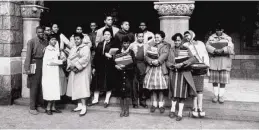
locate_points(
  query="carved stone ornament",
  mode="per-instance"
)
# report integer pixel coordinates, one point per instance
(174, 8)
(32, 11)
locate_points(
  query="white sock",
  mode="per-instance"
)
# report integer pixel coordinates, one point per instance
(107, 97)
(216, 91)
(180, 113)
(195, 103)
(221, 92)
(161, 104)
(173, 106)
(79, 107)
(200, 97)
(155, 103)
(96, 97)
(83, 110)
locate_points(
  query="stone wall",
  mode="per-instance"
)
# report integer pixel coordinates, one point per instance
(11, 37)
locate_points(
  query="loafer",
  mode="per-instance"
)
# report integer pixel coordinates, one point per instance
(201, 113)
(195, 114)
(152, 109)
(172, 114)
(162, 109)
(48, 112)
(179, 118)
(215, 99)
(56, 111)
(106, 105)
(221, 100)
(126, 114)
(34, 112)
(82, 114)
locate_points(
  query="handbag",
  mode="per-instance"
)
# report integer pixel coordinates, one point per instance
(199, 68)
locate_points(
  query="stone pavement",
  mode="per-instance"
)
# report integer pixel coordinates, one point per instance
(17, 116)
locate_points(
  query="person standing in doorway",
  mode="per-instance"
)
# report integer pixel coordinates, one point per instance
(86, 39)
(108, 24)
(34, 56)
(103, 69)
(123, 32)
(148, 36)
(139, 48)
(79, 66)
(220, 62)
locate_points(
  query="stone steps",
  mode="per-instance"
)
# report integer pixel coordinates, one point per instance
(230, 110)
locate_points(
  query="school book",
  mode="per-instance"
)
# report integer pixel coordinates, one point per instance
(56, 62)
(124, 60)
(219, 45)
(181, 59)
(113, 51)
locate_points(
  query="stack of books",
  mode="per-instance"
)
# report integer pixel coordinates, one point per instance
(124, 60)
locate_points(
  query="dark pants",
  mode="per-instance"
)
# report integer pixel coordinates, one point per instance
(138, 91)
(34, 84)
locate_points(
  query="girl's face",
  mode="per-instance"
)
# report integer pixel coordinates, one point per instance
(158, 38)
(178, 41)
(78, 41)
(55, 28)
(53, 41)
(188, 37)
(107, 36)
(125, 45)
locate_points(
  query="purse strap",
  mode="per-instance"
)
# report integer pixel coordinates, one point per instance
(198, 53)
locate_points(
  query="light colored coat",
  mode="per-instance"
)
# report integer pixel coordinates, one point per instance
(222, 62)
(99, 34)
(198, 49)
(79, 83)
(51, 83)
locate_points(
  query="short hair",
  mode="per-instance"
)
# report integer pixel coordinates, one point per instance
(125, 39)
(109, 30)
(174, 37)
(79, 26)
(39, 27)
(124, 22)
(139, 31)
(79, 35)
(52, 36)
(161, 33)
(143, 22)
(108, 15)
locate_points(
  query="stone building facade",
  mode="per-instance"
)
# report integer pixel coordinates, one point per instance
(18, 21)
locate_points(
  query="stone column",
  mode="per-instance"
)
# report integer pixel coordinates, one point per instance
(174, 16)
(31, 19)
(10, 51)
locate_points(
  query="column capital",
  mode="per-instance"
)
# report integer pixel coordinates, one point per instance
(174, 7)
(32, 10)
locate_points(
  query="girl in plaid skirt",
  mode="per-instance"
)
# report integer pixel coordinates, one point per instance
(156, 78)
(220, 62)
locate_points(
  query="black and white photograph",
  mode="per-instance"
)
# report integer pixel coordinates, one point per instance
(128, 64)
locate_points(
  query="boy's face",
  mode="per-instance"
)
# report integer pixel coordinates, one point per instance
(108, 21)
(78, 41)
(219, 32)
(125, 26)
(140, 37)
(79, 30)
(142, 26)
(47, 31)
(125, 45)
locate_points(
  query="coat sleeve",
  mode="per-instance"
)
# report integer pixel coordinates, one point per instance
(147, 58)
(87, 41)
(28, 59)
(230, 48)
(85, 58)
(210, 48)
(49, 60)
(164, 51)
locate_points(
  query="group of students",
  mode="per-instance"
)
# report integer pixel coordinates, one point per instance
(156, 67)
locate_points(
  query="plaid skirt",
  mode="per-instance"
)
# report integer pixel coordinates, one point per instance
(155, 79)
(219, 76)
(198, 82)
(178, 86)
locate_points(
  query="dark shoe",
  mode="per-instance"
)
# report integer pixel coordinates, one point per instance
(126, 114)
(48, 112)
(143, 104)
(152, 109)
(162, 109)
(172, 114)
(179, 118)
(92, 104)
(135, 106)
(34, 112)
(56, 111)
(106, 105)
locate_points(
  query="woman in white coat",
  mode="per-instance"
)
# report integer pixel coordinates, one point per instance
(51, 82)
(79, 66)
